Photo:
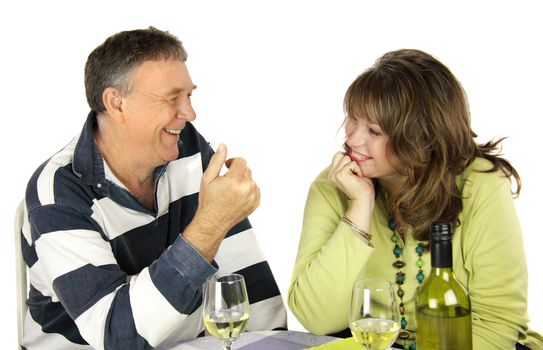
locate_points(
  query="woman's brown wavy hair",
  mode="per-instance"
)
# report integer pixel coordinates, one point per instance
(421, 106)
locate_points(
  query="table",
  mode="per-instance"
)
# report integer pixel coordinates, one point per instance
(265, 340)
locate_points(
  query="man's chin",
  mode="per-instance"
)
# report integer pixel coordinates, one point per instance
(170, 156)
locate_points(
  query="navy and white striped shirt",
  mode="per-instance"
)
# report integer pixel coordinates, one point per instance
(107, 273)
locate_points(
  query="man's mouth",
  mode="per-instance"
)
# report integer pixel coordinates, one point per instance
(173, 131)
(357, 157)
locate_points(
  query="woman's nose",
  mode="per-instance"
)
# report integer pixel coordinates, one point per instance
(356, 137)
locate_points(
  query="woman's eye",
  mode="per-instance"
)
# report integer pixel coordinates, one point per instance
(374, 132)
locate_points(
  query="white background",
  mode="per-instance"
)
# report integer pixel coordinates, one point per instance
(271, 79)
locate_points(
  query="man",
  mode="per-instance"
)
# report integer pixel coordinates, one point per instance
(126, 222)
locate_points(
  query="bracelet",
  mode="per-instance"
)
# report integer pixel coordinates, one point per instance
(357, 230)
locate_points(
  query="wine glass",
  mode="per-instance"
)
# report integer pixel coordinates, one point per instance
(226, 307)
(374, 316)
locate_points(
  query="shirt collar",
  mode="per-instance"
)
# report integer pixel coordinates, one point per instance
(91, 168)
(88, 163)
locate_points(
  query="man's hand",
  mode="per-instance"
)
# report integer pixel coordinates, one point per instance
(223, 202)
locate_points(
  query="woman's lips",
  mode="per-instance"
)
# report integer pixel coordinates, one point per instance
(357, 157)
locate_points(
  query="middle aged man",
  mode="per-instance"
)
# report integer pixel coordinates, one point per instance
(126, 222)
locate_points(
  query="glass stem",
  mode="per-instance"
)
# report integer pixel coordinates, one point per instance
(227, 344)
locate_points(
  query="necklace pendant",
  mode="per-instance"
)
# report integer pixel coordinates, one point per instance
(404, 335)
(400, 279)
(398, 264)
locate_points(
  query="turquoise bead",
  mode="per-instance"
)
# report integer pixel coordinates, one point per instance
(392, 224)
(420, 277)
(397, 251)
(419, 249)
(400, 277)
(404, 323)
(413, 346)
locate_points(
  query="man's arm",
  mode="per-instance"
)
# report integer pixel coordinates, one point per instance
(223, 202)
(112, 310)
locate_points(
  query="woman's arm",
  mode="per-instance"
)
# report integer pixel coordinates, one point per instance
(494, 259)
(330, 258)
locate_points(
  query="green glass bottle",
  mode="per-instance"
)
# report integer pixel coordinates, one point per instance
(443, 308)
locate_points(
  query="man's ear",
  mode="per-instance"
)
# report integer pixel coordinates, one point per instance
(113, 102)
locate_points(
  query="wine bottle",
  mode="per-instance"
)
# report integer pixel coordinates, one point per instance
(443, 308)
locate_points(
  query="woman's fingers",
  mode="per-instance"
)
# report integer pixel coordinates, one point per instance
(339, 162)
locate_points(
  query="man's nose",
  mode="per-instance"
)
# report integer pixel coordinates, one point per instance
(185, 110)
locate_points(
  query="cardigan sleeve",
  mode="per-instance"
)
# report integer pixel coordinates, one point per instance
(330, 258)
(495, 263)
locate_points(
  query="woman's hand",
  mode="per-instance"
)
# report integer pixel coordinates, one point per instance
(348, 177)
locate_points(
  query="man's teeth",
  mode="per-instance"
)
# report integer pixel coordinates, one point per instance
(173, 131)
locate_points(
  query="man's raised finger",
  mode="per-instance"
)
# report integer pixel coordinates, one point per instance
(215, 164)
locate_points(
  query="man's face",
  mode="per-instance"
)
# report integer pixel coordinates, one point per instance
(156, 110)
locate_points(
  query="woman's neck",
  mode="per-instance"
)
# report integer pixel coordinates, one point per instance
(391, 185)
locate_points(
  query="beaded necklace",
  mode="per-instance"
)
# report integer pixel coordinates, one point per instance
(400, 279)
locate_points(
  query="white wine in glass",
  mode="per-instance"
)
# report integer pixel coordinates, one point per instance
(374, 316)
(226, 307)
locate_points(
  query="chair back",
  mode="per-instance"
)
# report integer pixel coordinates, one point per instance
(20, 271)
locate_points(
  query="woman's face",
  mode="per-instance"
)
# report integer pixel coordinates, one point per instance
(367, 146)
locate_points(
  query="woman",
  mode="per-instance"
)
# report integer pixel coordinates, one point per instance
(410, 159)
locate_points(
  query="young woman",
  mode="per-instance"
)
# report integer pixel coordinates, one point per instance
(410, 160)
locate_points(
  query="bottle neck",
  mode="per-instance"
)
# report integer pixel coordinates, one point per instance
(444, 273)
(441, 255)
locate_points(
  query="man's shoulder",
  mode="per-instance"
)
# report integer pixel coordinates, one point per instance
(54, 179)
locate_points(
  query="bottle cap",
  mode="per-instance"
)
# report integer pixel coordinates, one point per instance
(441, 231)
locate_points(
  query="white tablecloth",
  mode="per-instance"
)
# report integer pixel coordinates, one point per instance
(266, 340)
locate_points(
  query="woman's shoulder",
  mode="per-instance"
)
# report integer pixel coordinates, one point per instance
(478, 177)
(324, 186)
(323, 175)
(482, 168)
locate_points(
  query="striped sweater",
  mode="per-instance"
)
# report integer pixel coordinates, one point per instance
(107, 273)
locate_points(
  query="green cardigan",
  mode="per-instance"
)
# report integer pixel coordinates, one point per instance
(488, 258)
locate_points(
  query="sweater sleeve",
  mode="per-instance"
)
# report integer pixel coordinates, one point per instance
(494, 259)
(112, 310)
(330, 258)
